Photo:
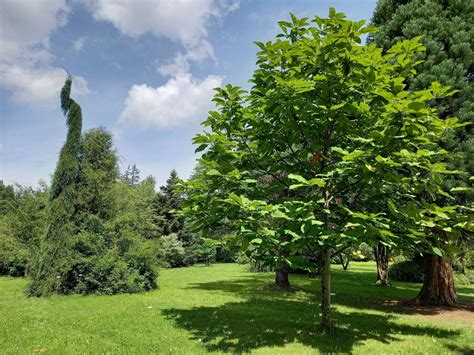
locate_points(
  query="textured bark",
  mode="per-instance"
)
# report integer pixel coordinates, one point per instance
(326, 322)
(438, 285)
(281, 277)
(381, 253)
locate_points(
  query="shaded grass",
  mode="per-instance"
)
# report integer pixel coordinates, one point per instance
(226, 308)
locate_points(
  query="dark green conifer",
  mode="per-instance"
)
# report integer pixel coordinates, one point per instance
(46, 275)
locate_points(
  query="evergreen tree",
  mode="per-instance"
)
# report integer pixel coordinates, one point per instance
(86, 248)
(168, 202)
(448, 35)
(131, 176)
(46, 276)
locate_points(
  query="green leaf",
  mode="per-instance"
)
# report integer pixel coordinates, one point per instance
(298, 178)
(280, 214)
(317, 181)
(297, 186)
(437, 251)
(416, 105)
(353, 155)
(213, 172)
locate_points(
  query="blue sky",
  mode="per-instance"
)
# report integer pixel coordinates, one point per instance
(143, 69)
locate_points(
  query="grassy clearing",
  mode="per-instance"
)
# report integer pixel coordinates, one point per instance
(226, 308)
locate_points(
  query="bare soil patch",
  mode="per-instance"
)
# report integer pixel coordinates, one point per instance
(462, 312)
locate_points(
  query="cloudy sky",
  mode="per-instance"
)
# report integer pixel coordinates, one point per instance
(144, 69)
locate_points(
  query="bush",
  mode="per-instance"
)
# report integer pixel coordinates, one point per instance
(207, 252)
(14, 258)
(407, 270)
(224, 254)
(172, 250)
(364, 252)
(464, 279)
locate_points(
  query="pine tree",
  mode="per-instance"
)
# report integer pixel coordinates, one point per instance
(131, 176)
(448, 35)
(168, 201)
(47, 269)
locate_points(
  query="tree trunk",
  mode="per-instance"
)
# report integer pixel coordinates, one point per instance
(381, 253)
(326, 322)
(281, 277)
(344, 263)
(438, 284)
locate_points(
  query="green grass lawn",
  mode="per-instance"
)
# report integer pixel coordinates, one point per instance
(226, 308)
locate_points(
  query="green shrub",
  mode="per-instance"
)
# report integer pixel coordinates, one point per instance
(14, 258)
(408, 271)
(464, 279)
(364, 252)
(172, 250)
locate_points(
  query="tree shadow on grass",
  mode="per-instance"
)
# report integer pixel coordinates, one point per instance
(464, 350)
(259, 322)
(348, 292)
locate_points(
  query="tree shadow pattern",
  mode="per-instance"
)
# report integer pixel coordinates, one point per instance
(268, 318)
(255, 323)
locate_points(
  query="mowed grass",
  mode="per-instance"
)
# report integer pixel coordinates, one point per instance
(226, 308)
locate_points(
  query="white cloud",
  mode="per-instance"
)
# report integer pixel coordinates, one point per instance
(26, 25)
(79, 43)
(38, 86)
(181, 100)
(25, 64)
(182, 21)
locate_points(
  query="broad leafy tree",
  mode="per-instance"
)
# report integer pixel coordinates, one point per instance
(447, 32)
(328, 149)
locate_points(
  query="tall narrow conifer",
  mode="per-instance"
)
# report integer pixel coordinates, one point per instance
(47, 270)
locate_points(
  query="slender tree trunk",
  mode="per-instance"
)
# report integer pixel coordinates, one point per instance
(326, 322)
(438, 284)
(281, 277)
(381, 253)
(344, 263)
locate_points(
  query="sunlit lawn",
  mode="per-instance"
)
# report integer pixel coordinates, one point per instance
(226, 308)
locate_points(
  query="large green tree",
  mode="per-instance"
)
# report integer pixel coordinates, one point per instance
(327, 150)
(87, 247)
(47, 271)
(447, 31)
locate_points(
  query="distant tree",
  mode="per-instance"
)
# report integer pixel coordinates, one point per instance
(327, 150)
(447, 32)
(131, 176)
(135, 207)
(168, 203)
(7, 195)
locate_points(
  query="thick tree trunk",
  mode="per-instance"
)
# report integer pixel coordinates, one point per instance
(438, 285)
(281, 277)
(326, 322)
(381, 253)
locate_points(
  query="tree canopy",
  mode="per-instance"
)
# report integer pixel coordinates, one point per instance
(329, 148)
